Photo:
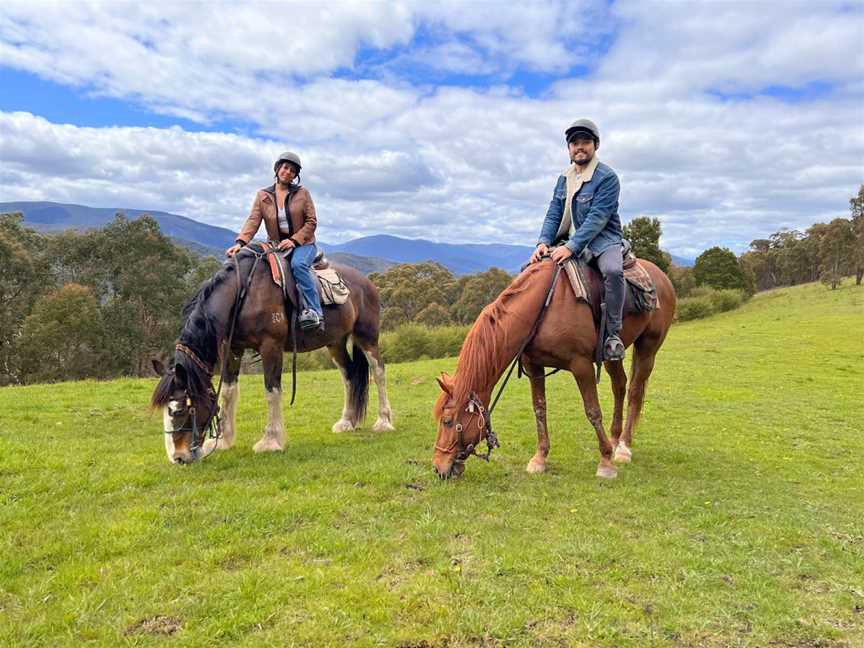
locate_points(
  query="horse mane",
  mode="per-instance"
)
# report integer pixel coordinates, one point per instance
(481, 358)
(202, 332)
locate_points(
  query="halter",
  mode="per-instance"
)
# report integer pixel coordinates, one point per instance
(486, 432)
(190, 424)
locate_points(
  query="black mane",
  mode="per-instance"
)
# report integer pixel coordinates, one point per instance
(203, 331)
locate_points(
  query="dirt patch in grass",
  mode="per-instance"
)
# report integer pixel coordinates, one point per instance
(156, 625)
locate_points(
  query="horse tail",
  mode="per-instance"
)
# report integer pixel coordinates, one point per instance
(358, 384)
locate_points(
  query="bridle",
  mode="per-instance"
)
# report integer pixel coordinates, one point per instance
(190, 424)
(474, 405)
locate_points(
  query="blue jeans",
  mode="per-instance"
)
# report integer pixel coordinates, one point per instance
(301, 266)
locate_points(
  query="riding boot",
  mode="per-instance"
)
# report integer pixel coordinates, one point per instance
(611, 266)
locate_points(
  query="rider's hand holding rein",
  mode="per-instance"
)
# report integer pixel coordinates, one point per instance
(234, 249)
(541, 250)
(286, 244)
(561, 254)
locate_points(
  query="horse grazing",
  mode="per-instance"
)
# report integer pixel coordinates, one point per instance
(185, 391)
(566, 338)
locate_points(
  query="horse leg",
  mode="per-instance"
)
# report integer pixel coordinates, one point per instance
(339, 354)
(538, 398)
(583, 371)
(228, 410)
(619, 390)
(274, 432)
(643, 363)
(376, 363)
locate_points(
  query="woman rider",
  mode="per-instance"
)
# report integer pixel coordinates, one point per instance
(289, 217)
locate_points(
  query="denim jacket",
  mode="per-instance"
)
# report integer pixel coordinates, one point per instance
(596, 223)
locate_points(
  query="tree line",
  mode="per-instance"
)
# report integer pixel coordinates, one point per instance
(97, 304)
(101, 303)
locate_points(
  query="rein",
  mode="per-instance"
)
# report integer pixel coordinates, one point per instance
(474, 402)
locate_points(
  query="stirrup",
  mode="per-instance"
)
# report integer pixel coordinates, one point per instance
(613, 349)
(309, 320)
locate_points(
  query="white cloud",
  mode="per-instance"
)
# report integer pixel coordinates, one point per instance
(383, 154)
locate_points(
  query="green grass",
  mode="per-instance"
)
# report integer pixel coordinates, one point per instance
(738, 524)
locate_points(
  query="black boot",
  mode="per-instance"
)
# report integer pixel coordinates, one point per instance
(613, 349)
(309, 320)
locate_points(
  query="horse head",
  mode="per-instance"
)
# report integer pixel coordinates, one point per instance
(189, 409)
(463, 422)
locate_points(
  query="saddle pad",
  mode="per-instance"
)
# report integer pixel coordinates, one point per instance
(576, 276)
(642, 287)
(331, 286)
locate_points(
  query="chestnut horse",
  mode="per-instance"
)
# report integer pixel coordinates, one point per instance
(185, 390)
(566, 338)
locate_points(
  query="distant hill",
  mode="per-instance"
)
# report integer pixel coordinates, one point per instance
(364, 264)
(367, 254)
(50, 216)
(201, 238)
(460, 259)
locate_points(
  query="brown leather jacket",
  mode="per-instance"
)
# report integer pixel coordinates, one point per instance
(301, 211)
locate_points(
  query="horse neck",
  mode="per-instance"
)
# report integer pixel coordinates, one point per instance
(209, 320)
(498, 333)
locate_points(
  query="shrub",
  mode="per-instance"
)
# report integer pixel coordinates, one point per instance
(726, 300)
(691, 308)
(414, 341)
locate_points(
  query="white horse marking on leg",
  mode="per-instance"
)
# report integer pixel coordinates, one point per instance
(385, 414)
(274, 432)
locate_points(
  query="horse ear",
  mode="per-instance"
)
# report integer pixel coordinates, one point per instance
(158, 367)
(181, 379)
(446, 383)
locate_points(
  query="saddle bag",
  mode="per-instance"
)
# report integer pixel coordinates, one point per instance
(333, 289)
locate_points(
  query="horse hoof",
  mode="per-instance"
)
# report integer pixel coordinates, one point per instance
(267, 445)
(606, 471)
(382, 425)
(535, 467)
(623, 454)
(342, 426)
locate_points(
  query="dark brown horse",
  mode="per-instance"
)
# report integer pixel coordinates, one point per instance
(566, 339)
(185, 390)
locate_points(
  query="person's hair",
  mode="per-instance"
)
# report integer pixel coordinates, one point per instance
(278, 166)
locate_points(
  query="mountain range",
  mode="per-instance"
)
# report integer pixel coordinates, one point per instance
(367, 254)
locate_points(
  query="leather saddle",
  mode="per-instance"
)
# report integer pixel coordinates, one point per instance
(280, 268)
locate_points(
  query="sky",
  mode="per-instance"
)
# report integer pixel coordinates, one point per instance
(725, 120)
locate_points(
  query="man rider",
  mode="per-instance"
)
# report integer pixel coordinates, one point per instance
(583, 220)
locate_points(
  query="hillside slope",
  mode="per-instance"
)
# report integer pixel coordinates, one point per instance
(739, 522)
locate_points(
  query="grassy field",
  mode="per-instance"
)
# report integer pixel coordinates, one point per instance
(740, 522)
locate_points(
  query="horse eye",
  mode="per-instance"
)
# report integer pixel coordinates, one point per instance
(447, 421)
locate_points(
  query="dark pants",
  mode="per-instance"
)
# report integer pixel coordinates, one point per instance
(611, 266)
